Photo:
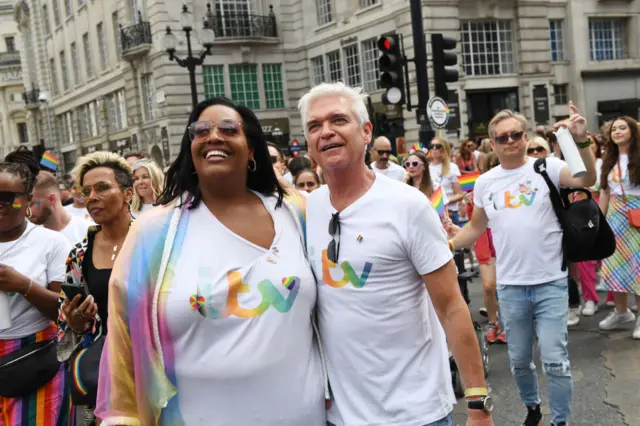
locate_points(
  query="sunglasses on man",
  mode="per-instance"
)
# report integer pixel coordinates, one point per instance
(514, 136)
(384, 152)
(333, 250)
(536, 150)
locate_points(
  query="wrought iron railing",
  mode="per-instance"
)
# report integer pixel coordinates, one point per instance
(9, 58)
(245, 25)
(135, 35)
(31, 97)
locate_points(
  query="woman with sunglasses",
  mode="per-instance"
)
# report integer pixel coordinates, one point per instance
(538, 148)
(418, 174)
(445, 173)
(105, 181)
(31, 270)
(148, 181)
(466, 158)
(213, 292)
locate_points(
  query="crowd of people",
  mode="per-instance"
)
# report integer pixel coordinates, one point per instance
(245, 286)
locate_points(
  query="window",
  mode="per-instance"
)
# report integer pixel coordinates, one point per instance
(45, 18)
(116, 111)
(75, 63)
(487, 48)
(556, 37)
(561, 94)
(67, 7)
(148, 96)
(317, 70)
(102, 46)
(607, 39)
(83, 122)
(94, 117)
(353, 65)
(69, 127)
(23, 135)
(335, 71)
(87, 54)
(56, 13)
(243, 80)
(233, 17)
(64, 69)
(370, 65)
(11, 44)
(273, 90)
(213, 80)
(323, 8)
(122, 109)
(54, 77)
(367, 3)
(115, 23)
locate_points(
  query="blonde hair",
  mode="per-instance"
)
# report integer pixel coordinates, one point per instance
(122, 169)
(157, 181)
(503, 115)
(446, 155)
(540, 141)
(485, 146)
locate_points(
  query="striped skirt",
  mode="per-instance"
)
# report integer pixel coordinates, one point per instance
(621, 271)
(49, 405)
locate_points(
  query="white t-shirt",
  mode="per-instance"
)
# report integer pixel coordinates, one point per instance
(596, 186)
(446, 181)
(248, 355)
(526, 232)
(76, 229)
(40, 255)
(385, 348)
(394, 171)
(78, 212)
(614, 179)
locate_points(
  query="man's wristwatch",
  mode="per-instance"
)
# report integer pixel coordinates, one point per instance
(485, 404)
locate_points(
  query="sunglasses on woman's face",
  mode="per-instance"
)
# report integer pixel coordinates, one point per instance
(436, 147)
(8, 197)
(514, 136)
(200, 131)
(408, 164)
(101, 188)
(536, 150)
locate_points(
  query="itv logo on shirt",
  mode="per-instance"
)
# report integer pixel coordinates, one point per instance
(523, 196)
(349, 274)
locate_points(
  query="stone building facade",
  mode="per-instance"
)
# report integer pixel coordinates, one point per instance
(110, 83)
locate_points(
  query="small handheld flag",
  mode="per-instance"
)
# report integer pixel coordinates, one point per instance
(468, 181)
(438, 201)
(49, 160)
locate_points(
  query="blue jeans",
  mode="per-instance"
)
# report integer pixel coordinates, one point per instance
(447, 421)
(544, 306)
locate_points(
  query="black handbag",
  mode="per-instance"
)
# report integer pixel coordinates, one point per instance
(26, 370)
(82, 374)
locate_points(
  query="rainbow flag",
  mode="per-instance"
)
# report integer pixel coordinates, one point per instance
(17, 204)
(438, 201)
(49, 160)
(468, 181)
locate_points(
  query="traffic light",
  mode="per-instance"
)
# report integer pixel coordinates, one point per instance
(442, 58)
(391, 65)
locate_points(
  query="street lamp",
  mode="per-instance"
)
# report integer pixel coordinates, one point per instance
(190, 62)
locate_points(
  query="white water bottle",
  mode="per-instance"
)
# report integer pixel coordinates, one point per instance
(570, 152)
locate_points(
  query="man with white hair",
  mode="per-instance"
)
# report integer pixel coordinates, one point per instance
(382, 165)
(375, 245)
(513, 200)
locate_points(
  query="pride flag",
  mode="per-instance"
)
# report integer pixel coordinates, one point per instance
(468, 181)
(49, 160)
(437, 200)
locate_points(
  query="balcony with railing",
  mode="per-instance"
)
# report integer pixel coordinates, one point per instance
(9, 59)
(32, 97)
(136, 39)
(242, 26)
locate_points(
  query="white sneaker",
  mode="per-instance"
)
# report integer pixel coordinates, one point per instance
(574, 317)
(590, 308)
(632, 304)
(636, 332)
(615, 319)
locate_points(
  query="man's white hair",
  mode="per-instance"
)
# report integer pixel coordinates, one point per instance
(354, 94)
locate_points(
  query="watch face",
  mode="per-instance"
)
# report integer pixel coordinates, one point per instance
(488, 404)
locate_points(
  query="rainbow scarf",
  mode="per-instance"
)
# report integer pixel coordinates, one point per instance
(468, 181)
(437, 200)
(49, 160)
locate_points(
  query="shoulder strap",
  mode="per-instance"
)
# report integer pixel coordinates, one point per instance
(540, 167)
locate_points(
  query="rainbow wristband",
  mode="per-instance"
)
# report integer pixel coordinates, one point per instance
(472, 392)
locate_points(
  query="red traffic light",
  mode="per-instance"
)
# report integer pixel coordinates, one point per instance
(386, 44)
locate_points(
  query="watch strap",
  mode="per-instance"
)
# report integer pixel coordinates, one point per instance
(476, 404)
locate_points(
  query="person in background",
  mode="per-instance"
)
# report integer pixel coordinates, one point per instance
(106, 182)
(307, 180)
(465, 158)
(132, 157)
(445, 173)
(552, 142)
(279, 164)
(297, 165)
(148, 181)
(541, 131)
(32, 262)
(383, 166)
(66, 190)
(47, 210)
(538, 148)
(78, 208)
(484, 149)
(620, 193)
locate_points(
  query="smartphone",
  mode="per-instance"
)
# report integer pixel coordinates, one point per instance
(71, 291)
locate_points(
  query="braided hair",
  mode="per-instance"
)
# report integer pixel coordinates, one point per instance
(23, 164)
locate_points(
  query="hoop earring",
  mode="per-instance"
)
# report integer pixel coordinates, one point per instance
(28, 211)
(255, 165)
